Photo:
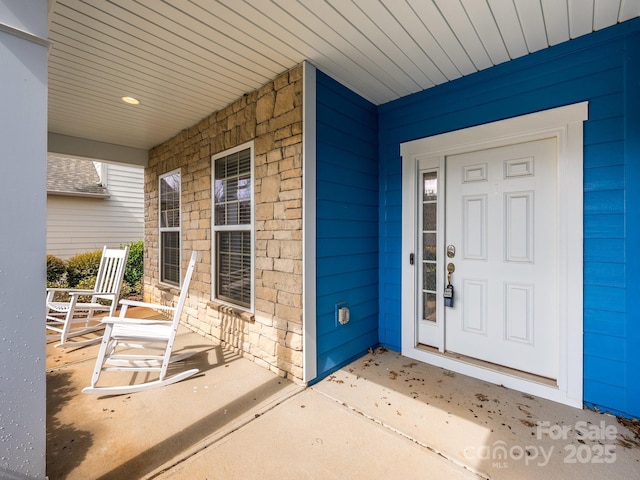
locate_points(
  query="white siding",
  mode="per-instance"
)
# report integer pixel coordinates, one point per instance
(79, 224)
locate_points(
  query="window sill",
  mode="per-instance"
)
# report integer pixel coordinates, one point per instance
(230, 310)
(163, 287)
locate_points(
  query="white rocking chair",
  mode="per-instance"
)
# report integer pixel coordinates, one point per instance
(124, 334)
(75, 318)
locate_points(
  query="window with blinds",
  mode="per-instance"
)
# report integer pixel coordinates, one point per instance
(233, 226)
(169, 223)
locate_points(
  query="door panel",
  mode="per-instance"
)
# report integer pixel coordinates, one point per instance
(501, 214)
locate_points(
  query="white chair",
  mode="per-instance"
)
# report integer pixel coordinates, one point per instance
(123, 335)
(74, 318)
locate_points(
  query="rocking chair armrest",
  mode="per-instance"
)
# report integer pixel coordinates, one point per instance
(78, 291)
(133, 321)
(71, 292)
(136, 303)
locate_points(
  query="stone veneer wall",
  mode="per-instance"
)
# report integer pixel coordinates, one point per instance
(272, 117)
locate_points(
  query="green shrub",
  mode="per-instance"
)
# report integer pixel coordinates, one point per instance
(55, 269)
(82, 269)
(135, 263)
(87, 283)
(82, 266)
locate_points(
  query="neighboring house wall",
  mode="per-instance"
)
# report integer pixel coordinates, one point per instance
(272, 118)
(603, 69)
(77, 224)
(346, 223)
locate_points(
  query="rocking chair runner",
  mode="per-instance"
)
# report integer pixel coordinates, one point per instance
(123, 334)
(75, 318)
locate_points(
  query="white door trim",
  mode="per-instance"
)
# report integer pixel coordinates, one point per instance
(309, 329)
(564, 124)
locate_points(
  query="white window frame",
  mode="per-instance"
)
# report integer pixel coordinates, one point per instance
(250, 227)
(162, 230)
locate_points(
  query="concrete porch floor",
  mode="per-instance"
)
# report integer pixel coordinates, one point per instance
(383, 416)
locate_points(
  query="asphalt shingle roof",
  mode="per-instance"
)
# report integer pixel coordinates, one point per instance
(73, 176)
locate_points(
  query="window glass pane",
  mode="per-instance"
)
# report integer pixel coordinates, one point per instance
(220, 213)
(429, 246)
(170, 264)
(429, 276)
(244, 162)
(170, 201)
(244, 214)
(220, 168)
(429, 306)
(233, 266)
(169, 228)
(232, 213)
(430, 186)
(429, 214)
(232, 189)
(218, 191)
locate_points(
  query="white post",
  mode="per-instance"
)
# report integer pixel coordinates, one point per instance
(23, 160)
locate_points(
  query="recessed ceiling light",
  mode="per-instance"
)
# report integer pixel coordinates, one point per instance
(131, 100)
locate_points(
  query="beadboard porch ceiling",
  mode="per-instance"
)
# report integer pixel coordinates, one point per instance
(184, 59)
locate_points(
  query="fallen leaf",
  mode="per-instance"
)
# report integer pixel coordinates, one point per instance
(633, 424)
(624, 444)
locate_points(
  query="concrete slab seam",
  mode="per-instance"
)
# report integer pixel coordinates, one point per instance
(406, 436)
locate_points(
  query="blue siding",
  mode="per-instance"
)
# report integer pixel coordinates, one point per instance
(604, 69)
(346, 223)
(632, 180)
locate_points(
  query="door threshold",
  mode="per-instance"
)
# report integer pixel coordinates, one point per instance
(530, 377)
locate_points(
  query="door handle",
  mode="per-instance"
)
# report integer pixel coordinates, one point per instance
(450, 269)
(448, 289)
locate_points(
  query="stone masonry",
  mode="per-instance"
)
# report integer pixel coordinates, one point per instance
(271, 117)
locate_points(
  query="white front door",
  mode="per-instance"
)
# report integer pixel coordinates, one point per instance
(491, 215)
(501, 219)
(502, 203)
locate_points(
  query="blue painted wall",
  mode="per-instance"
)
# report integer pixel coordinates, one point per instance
(632, 223)
(602, 68)
(347, 223)
(359, 198)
